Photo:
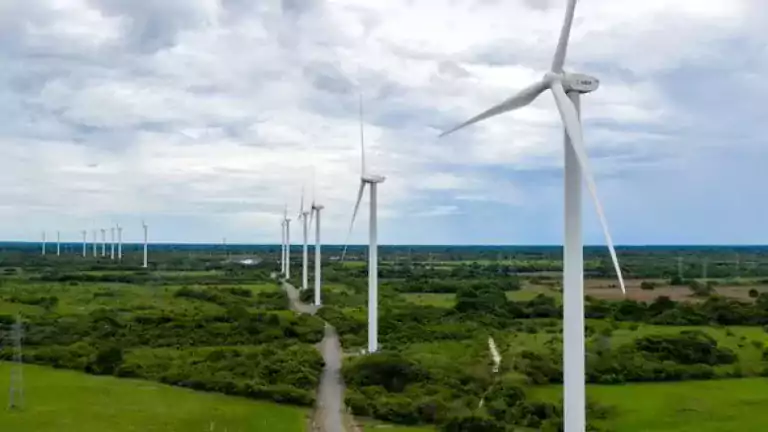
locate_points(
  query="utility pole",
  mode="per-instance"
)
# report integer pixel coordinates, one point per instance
(16, 391)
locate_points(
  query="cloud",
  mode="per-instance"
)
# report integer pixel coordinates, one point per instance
(206, 117)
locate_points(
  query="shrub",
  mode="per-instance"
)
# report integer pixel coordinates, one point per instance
(648, 286)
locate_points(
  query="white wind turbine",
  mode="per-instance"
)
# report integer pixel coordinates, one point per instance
(112, 243)
(566, 89)
(119, 243)
(45, 240)
(103, 242)
(315, 215)
(282, 246)
(287, 252)
(85, 243)
(372, 181)
(304, 215)
(145, 227)
(58, 243)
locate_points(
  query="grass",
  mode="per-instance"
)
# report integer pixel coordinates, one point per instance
(58, 400)
(688, 406)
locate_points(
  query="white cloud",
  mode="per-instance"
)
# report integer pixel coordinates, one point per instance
(221, 109)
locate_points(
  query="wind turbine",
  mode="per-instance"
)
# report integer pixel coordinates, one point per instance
(315, 214)
(95, 242)
(287, 253)
(58, 243)
(119, 243)
(372, 181)
(112, 243)
(144, 226)
(103, 242)
(282, 246)
(44, 243)
(85, 243)
(303, 215)
(566, 89)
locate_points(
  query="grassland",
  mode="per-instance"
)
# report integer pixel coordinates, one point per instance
(58, 400)
(688, 406)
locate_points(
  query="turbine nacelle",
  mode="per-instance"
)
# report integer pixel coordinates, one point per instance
(580, 83)
(372, 178)
(572, 82)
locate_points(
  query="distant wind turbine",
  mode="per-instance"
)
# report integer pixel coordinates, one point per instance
(45, 240)
(119, 243)
(287, 222)
(112, 243)
(103, 242)
(372, 181)
(315, 215)
(95, 242)
(85, 243)
(304, 215)
(145, 227)
(58, 243)
(282, 246)
(566, 89)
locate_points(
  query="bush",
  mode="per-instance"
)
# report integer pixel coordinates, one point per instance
(648, 286)
(753, 293)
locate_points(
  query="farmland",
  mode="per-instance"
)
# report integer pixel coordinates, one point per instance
(60, 400)
(199, 320)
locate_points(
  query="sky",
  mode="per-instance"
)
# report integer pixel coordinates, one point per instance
(205, 118)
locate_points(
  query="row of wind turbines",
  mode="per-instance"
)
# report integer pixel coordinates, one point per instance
(307, 217)
(115, 244)
(566, 89)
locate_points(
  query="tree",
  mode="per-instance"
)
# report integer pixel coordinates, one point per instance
(648, 286)
(753, 293)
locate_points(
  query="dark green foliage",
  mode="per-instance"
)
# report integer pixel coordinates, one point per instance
(689, 347)
(472, 423)
(648, 286)
(106, 361)
(388, 370)
(753, 293)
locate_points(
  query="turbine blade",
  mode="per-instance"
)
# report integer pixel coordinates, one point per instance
(301, 207)
(311, 216)
(354, 215)
(519, 100)
(572, 124)
(362, 138)
(565, 33)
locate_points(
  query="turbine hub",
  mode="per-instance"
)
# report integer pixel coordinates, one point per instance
(580, 83)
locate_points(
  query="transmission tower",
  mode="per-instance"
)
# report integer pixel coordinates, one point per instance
(16, 392)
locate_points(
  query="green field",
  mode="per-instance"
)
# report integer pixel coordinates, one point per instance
(58, 400)
(688, 406)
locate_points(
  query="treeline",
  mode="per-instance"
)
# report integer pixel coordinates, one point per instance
(391, 387)
(286, 373)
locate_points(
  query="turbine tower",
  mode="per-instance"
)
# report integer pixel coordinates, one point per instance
(112, 243)
(304, 216)
(85, 243)
(58, 243)
(103, 242)
(282, 246)
(119, 243)
(287, 260)
(44, 243)
(144, 226)
(566, 89)
(315, 213)
(95, 242)
(372, 181)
